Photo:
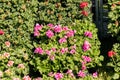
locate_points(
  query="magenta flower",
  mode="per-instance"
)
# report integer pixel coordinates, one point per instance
(38, 50)
(83, 65)
(72, 51)
(70, 33)
(63, 50)
(58, 76)
(86, 58)
(88, 34)
(50, 25)
(62, 40)
(81, 74)
(57, 28)
(70, 73)
(53, 49)
(86, 46)
(65, 37)
(95, 74)
(36, 33)
(48, 52)
(52, 57)
(49, 34)
(37, 27)
(65, 28)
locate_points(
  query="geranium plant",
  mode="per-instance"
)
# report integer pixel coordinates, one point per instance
(60, 48)
(64, 11)
(114, 23)
(114, 56)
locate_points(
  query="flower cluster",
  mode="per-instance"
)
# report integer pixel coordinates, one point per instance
(1, 32)
(60, 43)
(36, 29)
(111, 53)
(83, 5)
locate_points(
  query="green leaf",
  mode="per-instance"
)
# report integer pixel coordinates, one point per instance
(116, 76)
(118, 63)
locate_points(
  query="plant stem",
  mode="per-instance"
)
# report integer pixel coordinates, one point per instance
(114, 61)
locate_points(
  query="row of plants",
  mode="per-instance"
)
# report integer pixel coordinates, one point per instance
(66, 50)
(64, 11)
(17, 18)
(114, 30)
(47, 40)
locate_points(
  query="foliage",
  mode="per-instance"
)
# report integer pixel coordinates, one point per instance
(114, 23)
(71, 53)
(115, 61)
(17, 18)
(63, 11)
(18, 60)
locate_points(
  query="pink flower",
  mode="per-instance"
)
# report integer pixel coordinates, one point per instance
(58, 76)
(48, 52)
(85, 13)
(10, 63)
(26, 78)
(70, 33)
(16, 79)
(62, 40)
(1, 32)
(57, 28)
(52, 57)
(70, 73)
(53, 49)
(81, 74)
(88, 34)
(65, 28)
(50, 25)
(65, 37)
(73, 47)
(86, 58)
(6, 55)
(36, 33)
(83, 65)
(37, 27)
(49, 34)
(38, 78)
(21, 66)
(63, 50)
(72, 51)
(51, 74)
(1, 73)
(95, 74)
(86, 46)
(38, 50)
(7, 43)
